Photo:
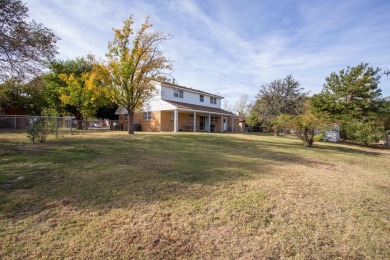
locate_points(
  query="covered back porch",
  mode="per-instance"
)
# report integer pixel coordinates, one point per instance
(198, 121)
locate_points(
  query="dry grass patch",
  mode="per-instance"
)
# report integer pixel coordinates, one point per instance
(164, 196)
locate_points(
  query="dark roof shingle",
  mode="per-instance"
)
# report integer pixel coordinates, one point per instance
(199, 108)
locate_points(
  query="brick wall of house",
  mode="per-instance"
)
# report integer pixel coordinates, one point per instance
(167, 121)
(152, 125)
(163, 121)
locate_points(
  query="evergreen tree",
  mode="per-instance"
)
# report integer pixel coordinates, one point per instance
(352, 97)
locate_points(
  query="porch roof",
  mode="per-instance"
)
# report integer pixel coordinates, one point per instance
(191, 107)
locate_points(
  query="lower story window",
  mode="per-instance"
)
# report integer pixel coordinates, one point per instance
(147, 116)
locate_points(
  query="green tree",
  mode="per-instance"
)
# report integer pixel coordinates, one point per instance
(134, 62)
(281, 96)
(85, 92)
(24, 46)
(55, 83)
(385, 113)
(76, 87)
(351, 96)
(365, 132)
(19, 98)
(252, 119)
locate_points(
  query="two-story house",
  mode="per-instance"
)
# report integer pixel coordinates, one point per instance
(177, 108)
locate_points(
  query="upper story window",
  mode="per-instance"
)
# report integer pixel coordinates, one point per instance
(178, 93)
(147, 116)
(213, 100)
(201, 98)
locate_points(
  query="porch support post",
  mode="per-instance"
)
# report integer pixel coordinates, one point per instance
(209, 123)
(194, 121)
(221, 124)
(232, 124)
(175, 120)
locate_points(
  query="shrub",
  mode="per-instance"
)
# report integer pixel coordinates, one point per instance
(365, 133)
(306, 126)
(319, 137)
(39, 131)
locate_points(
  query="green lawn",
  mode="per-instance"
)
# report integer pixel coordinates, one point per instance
(209, 196)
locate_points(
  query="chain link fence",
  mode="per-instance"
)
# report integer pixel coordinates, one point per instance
(12, 125)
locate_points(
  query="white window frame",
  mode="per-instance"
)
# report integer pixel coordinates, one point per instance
(178, 93)
(213, 100)
(201, 98)
(148, 116)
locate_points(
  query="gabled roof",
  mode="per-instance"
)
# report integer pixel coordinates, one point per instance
(191, 89)
(191, 107)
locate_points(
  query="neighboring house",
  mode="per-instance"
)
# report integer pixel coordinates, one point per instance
(177, 108)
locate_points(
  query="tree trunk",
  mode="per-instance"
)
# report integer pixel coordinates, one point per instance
(307, 141)
(85, 123)
(130, 120)
(79, 124)
(344, 136)
(79, 118)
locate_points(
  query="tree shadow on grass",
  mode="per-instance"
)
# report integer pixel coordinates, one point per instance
(104, 173)
(320, 146)
(345, 148)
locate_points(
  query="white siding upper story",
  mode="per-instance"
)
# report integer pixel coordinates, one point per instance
(166, 92)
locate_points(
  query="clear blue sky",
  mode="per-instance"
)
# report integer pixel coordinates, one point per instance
(231, 47)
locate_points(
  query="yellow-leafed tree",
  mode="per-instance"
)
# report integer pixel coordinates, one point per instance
(306, 125)
(135, 60)
(85, 91)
